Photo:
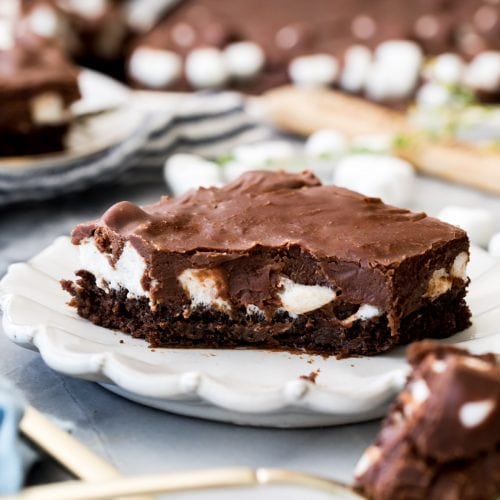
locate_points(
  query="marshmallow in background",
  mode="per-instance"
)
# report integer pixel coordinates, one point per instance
(357, 63)
(155, 68)
(261, 154)
(395, 70)
(48, 109)
(244, 60)
(447, 69)
(483, 72)
(206, 68)
(318, 70)
(382, 176)
(326, 142)
(433, 95)
(43, 20)
(477, 222)
(494, 246)
(183, 172)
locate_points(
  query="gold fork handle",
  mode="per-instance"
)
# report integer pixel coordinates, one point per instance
(66, 450)
(184, 481)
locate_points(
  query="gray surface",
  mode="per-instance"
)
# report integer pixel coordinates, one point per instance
(138, 439)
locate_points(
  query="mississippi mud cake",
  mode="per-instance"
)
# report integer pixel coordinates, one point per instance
(272, 260)
(441, 439)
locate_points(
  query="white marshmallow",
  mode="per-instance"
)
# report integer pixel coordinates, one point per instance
(373, 143)
(183, 172)
(6, 35)
(127, 272)
(317, 70)
(433, 95)
(261, 154)
(48, 109)
(483, 72)
(439, 283)
(206, 68)
(365, 311)
(155, 68)
(326, 142)
(420, 391)
(357, 63)
(386, 177)
(401, 51)
(202, 287)
(244, 60)
(299, 299)
(477, 222)
(395, 71)
(494, 246)
(43, 21)
(475, 413)
(459, 266)
(447, 69)
(88, 8)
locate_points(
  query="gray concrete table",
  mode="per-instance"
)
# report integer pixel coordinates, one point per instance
(137, 439)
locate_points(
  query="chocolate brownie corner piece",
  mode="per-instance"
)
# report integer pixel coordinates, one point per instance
(37, 87)
(441, 439)
(273, 260)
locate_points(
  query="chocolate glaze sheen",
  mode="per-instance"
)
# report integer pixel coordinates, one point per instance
(275, 210)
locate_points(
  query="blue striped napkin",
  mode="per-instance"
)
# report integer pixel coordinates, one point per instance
(14, 458)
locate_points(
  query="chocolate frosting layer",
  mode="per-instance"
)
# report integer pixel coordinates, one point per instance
(276, 209)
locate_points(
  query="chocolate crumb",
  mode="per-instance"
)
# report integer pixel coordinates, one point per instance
(311, 377)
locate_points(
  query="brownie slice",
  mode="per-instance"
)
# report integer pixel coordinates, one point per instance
(441, 439)
(37, 87)
(273, 260)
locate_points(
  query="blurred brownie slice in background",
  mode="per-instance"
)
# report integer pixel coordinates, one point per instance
(441, 439)
(37, 86)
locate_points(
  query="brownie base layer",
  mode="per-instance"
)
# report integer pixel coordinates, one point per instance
(48, 139)
(313, 332)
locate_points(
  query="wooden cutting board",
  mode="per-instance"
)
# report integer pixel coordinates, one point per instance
(303, 111)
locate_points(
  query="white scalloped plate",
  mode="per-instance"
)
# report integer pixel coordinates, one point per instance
(248, 387)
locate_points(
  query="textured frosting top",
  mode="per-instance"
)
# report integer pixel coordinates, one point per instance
(276, 209)
(34, 62)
